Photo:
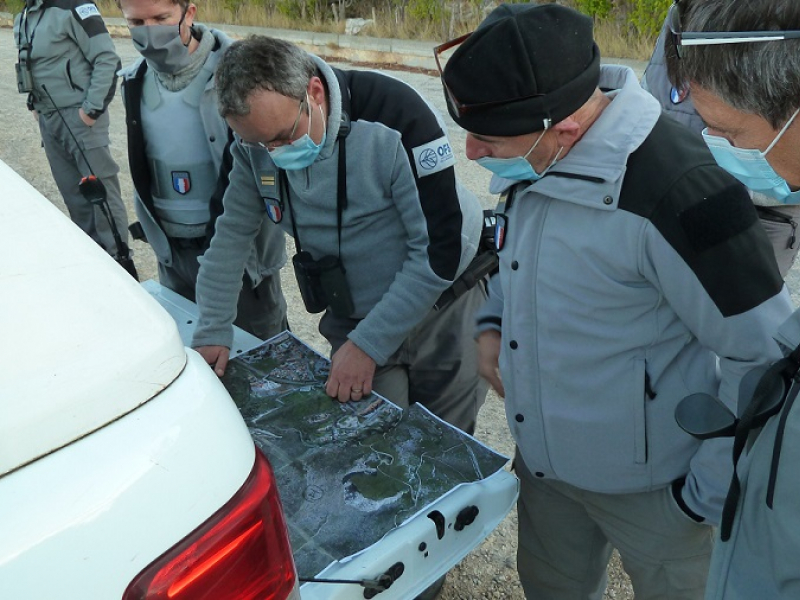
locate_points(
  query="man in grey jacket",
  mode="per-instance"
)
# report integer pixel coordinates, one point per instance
(633, 273)
(358, 169)
(746, 87)
(178, 148)
(780, 220)
(67, 67)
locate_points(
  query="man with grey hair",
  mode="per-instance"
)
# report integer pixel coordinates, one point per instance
(780, 220)
(742, 63)
(357, 167)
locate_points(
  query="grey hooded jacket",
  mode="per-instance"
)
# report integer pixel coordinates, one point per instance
(408, 230)
(626, 271)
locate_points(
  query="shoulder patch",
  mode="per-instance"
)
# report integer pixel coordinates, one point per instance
(433, 157)
(84, 11)
(718, 218)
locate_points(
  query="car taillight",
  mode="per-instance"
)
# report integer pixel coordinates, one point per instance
(242, 552)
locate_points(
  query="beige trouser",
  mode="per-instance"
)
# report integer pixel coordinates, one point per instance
(566, 536)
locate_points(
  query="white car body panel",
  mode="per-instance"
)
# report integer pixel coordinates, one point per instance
(115, 441)
(82, 344)
(84, 521)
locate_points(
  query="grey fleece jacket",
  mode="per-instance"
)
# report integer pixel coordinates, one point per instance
(71, 54)
(408, 230)
(634, 274)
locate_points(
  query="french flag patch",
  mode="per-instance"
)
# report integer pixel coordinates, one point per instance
(274, 209)
(181, 182)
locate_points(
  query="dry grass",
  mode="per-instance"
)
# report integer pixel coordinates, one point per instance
(612, 38)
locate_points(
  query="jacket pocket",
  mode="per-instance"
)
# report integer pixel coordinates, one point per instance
(641, 398)
(68, 73)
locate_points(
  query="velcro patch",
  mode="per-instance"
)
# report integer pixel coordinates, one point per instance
(718, 218)
(433, 157)
(84, 11)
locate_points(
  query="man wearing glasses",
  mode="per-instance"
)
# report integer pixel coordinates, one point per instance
(358, 169)
(179, 158)
(779, 219)
(741, 61)
(629, 262)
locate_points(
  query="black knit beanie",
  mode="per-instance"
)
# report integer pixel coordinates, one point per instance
(526, 67)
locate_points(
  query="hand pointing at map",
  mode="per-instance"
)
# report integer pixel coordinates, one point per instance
(351, 374)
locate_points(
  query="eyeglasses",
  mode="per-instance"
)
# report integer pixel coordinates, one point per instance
(462, 108)
(709, 38)
(276, 143)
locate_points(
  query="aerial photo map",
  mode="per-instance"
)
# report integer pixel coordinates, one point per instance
(362, 466)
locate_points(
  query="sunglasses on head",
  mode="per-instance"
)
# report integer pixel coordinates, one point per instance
(462, 108)
(710, 38)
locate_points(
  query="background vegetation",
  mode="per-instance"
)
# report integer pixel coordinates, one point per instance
(623, 28)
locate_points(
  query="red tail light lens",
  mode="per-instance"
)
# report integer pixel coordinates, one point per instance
(242, 552)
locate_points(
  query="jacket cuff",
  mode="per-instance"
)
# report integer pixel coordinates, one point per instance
(92, 113)
(677, 494)
(487, 323)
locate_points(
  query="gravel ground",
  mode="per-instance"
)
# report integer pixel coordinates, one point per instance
(489, 571)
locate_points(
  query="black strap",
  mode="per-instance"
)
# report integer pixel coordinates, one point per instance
(787, 368)
(341, 178)
(787, 407)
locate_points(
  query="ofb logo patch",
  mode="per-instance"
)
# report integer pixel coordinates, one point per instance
(433, 157)
(84, 11)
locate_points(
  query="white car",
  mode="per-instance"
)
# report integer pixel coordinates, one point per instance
(126, 470)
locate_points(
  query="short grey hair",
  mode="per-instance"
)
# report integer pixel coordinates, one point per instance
(762, 78)
(261, 63)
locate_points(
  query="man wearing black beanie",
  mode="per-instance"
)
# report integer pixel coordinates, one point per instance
(633, 273)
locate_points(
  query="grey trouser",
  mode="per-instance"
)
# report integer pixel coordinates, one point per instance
(566, 536)
(436, 365)
(69, 166)
(261, 310)
(777, 222)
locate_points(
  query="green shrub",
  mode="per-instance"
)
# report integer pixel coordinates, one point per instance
(647, 16)
(597, 9)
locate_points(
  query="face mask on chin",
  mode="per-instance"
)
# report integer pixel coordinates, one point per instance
(162, 46)
(751, 167)
(517, 168)
(302, 152)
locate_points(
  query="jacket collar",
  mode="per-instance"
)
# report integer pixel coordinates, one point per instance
(597, 163)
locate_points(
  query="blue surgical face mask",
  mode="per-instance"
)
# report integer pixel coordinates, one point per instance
(302, 152)
(517, 168)
(750, 166)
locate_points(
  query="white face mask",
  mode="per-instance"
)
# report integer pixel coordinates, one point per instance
(516, 168)
(751, 167)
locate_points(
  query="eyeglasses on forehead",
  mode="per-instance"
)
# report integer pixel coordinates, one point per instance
(462, 108)
(710, 38)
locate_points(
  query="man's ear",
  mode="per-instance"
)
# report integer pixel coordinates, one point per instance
(316, 90)
(191, 13)
(568, 132)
